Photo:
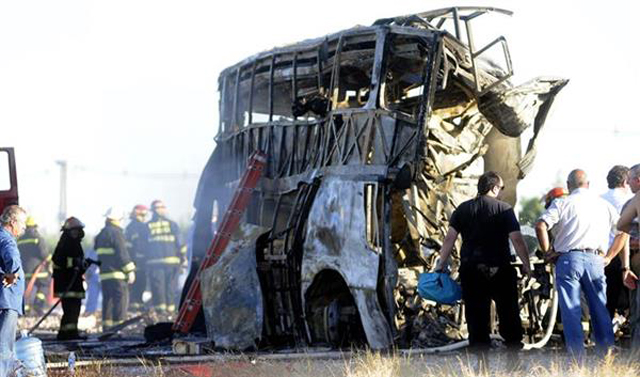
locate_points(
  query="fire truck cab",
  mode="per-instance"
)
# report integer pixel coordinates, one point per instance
(8, 178)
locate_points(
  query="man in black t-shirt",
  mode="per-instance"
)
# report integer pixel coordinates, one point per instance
(486, 273)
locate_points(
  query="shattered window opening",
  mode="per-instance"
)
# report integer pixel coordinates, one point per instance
(354, 72)
(404, 79)
(244, 99)
(227, 99)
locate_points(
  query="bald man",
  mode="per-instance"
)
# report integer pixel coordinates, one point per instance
(582, 223)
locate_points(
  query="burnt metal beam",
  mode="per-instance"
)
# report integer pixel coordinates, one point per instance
(271, 70)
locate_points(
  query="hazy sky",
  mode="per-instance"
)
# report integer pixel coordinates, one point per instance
(125, 91)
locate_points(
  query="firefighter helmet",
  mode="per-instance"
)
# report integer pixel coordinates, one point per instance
(72, 223)
(31, 221)
(115, 213)
(140, 209)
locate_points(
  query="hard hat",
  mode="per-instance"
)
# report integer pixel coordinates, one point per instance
(31, 221)
(556, 192)
(115, 213)
(72, 223)
(140, 208)
(157, 204)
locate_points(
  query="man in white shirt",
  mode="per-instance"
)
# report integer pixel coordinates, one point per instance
(582, 222)
(619, 192)
(617, 195)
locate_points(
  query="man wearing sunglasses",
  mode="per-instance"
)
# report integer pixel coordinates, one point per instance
(487, 224)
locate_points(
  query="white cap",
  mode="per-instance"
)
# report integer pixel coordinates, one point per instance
(115, 213)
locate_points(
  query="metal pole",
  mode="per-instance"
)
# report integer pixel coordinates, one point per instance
(62, 211)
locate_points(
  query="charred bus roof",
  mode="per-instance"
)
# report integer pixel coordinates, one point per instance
(272, 82)
(424, 24)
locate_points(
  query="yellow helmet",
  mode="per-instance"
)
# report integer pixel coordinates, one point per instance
(31, 221)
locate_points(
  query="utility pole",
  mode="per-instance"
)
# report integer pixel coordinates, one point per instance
(62, 211)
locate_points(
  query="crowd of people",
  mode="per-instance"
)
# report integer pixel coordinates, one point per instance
(592, 240)
(114, 268)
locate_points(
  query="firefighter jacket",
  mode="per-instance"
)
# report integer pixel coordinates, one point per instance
(68, 267)
(112, 251)
(137, 236)
(33, 251)
(164, 242)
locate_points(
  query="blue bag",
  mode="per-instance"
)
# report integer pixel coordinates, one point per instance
(439, 287)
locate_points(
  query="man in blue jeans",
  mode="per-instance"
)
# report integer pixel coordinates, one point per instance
(12, 225)
(582, 223)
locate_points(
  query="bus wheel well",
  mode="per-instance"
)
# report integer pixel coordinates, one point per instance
(331, 312)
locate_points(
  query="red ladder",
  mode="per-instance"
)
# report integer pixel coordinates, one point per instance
(193, 301)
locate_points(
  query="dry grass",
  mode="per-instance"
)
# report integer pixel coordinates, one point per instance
(373, 364)
(537, 365)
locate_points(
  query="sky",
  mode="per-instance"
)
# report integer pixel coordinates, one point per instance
(126, 91)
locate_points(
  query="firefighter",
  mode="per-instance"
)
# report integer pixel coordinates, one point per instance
(165, 256)
(137, 236)
(116, 271)
(68, 266)
(33, 252)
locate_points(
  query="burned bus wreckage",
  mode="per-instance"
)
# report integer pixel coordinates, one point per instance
(373, 136)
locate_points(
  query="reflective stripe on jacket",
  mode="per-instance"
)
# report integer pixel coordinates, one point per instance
(68, 267)
(164, 241)
(112, 251)
(32, 251)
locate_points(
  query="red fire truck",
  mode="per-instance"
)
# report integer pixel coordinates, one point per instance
(8, 178)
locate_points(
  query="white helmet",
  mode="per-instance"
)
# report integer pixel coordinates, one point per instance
(116, 214)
